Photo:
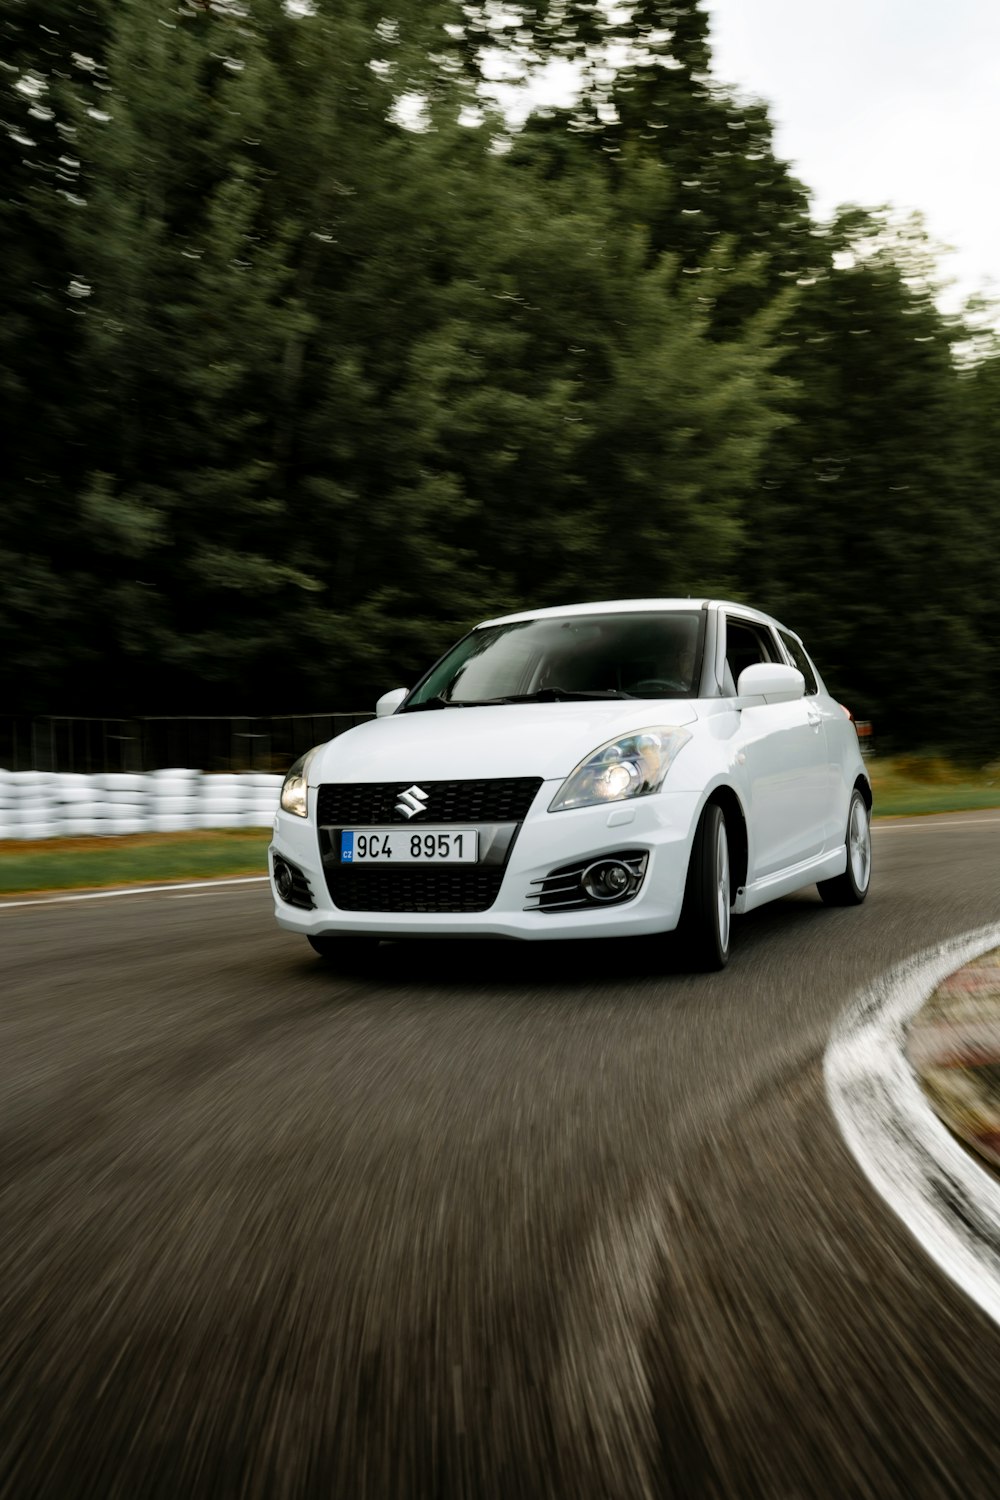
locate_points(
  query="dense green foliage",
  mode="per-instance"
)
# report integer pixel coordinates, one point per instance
(308, 360)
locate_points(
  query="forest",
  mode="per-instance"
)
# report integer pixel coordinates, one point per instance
(311, 356)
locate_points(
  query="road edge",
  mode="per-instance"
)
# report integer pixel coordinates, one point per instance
(50, 898)
(949, 1203)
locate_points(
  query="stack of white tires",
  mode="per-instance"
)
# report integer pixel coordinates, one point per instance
(174, 801)
(238, 801)
(48, 804)
(120, 802)
(26, 805)
(74, 805)
(262, 798)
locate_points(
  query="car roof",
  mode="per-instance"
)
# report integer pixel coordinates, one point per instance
(631, 606)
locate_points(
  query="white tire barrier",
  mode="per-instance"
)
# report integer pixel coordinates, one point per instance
(123, 782)
(45, 804)
(36, 831)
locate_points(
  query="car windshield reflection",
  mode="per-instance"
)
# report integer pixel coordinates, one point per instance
(642, 654)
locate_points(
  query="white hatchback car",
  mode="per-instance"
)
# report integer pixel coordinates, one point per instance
(597, 770)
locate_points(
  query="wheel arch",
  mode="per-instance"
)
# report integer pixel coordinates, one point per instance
(863, 785)
(736, 832)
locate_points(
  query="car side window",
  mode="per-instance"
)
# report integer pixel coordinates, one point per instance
(746, 644)
(801, 660)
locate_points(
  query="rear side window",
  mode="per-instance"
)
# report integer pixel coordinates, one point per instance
(801, 660)
(746, 645)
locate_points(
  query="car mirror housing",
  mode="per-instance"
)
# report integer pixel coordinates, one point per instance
(772, 681)
(389, 702)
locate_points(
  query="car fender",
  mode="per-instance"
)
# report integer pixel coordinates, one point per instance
(730, 795)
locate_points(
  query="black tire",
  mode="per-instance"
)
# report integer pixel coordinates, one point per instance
(851, 888)
(705, 917)
(345, 952)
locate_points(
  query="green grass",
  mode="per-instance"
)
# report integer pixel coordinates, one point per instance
(903, 785)
(913, 785)
(74, 864)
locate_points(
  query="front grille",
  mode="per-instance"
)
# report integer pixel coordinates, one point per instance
(359, 803)
(354, 888)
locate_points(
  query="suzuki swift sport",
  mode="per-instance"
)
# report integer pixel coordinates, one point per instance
(598, 770)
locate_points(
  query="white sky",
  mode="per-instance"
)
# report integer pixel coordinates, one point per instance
(882, 101)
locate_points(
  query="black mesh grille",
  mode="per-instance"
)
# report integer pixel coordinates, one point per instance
(354, 888)
(359, 803)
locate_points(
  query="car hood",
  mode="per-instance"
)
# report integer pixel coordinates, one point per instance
(517, 739)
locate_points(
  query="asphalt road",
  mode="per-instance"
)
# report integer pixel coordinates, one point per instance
(490, 1220)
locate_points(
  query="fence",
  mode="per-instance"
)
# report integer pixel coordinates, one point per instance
(59, 743)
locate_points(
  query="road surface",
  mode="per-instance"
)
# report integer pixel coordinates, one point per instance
(489, 1220)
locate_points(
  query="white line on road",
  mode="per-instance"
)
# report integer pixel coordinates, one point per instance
(933, 821)
(950, 1205)
(135, 890)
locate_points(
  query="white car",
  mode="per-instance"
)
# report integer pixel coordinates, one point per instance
(598, 770)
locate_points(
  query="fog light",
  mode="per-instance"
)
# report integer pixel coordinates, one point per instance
(606, 880)
(284, 880)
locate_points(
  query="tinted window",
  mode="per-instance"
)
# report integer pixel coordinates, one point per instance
(746, 645)
(637, 655)
(801, 660)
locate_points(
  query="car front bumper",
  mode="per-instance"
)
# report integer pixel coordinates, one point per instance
(661, 825)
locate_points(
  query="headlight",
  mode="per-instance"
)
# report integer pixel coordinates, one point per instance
(294, 788)
(629, 766)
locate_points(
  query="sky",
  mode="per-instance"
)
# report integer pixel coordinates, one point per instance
(882, 101)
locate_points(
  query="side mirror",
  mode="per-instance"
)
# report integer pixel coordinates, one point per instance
(389, 702)
(772, 681)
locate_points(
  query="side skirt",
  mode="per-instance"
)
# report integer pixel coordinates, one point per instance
(783, 882)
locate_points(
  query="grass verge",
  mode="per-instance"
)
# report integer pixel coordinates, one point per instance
(133, 859)
(904, 786)
(914, 785)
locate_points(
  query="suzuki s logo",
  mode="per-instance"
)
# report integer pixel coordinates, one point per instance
(412, 801)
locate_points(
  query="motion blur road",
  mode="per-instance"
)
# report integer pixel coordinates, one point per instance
(491, 1220)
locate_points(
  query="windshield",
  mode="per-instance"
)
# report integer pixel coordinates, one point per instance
(644, 654)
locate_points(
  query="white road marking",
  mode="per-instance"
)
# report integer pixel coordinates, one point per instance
(135, 890)
(950, 1205)
(933, 820)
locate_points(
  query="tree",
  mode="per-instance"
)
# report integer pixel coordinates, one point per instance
(303, 365)
(48, 61)
(648, 96)
(864, 534)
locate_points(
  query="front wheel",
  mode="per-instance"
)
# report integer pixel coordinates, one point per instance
(851, 888)
(705, 917)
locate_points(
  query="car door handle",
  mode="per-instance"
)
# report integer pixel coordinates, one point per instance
(814, 718)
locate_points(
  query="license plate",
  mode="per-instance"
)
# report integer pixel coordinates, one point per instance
(403, 846)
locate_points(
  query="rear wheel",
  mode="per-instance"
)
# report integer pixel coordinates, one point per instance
(851, 888)
(705, 918)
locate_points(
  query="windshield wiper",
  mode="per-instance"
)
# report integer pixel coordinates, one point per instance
(542, 695)
(554, 695)
(437, 702)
